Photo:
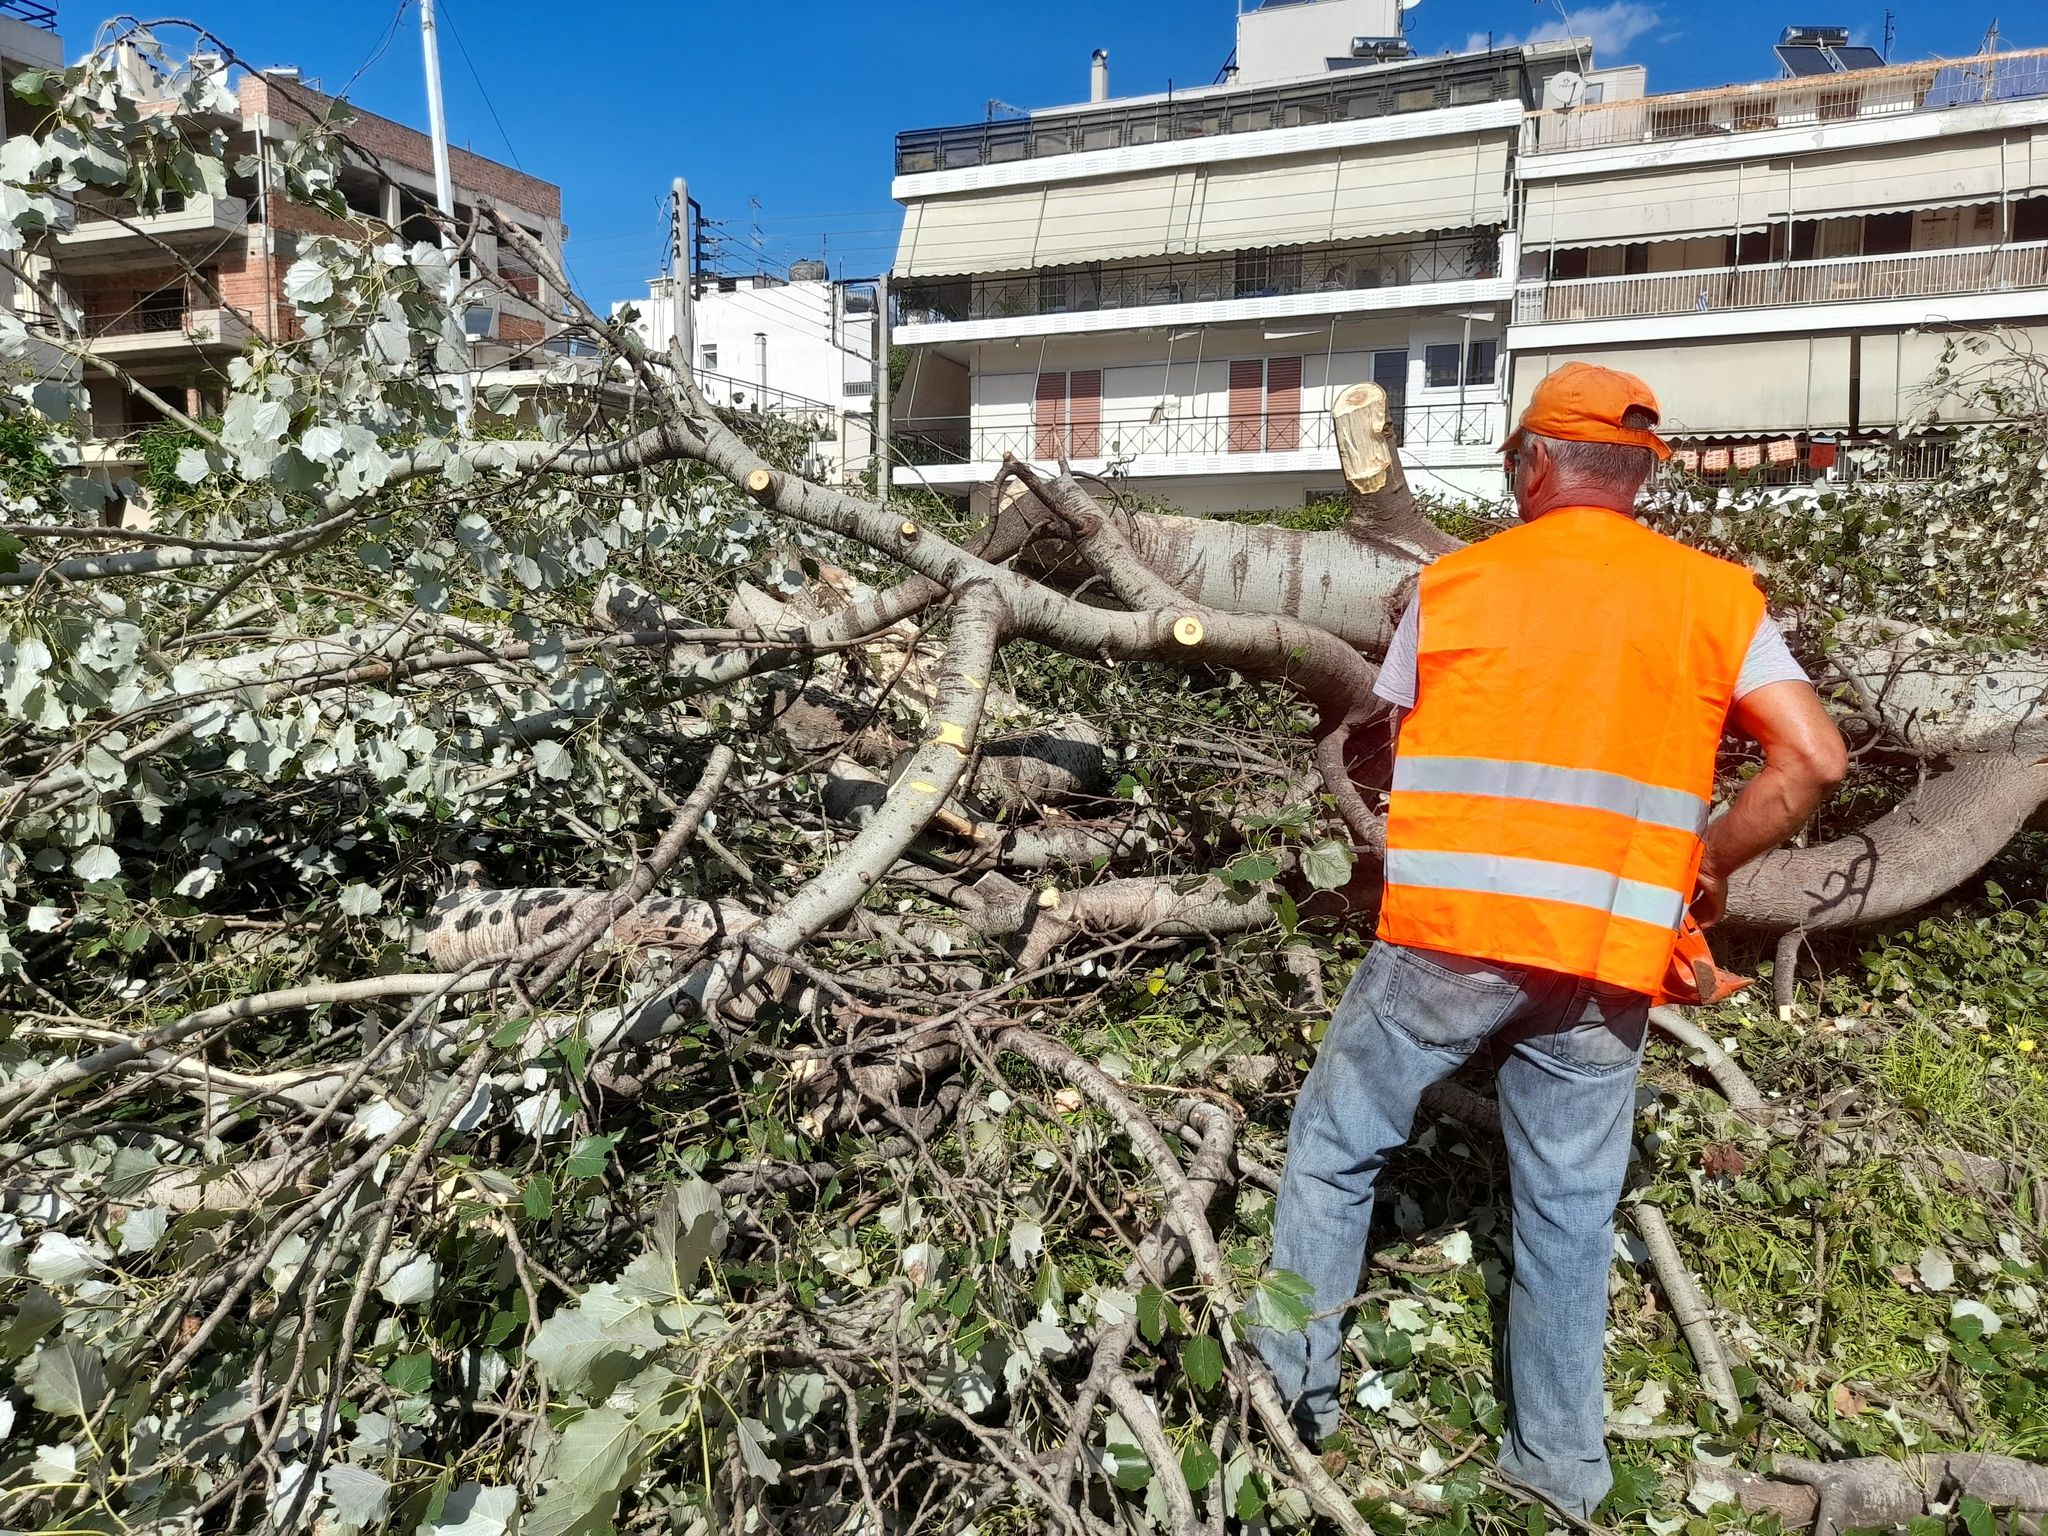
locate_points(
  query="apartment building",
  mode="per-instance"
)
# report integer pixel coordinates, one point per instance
(801, 348)
(172, 293)
(1170, 289)
(1785, 262)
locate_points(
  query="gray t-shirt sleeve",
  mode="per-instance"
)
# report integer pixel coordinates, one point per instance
(1397, 673)
(1769, 660)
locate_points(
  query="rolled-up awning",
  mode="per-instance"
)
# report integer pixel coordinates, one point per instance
(1754, 385)
(1659, 205)
(1357, 193)
(1709, 200)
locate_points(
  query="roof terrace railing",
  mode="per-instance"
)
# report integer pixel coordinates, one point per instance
(32, 12)
(1453, 81)
(1801, 102)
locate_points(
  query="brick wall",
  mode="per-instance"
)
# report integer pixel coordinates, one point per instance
(293, 102)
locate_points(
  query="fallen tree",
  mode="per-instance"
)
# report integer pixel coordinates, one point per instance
(489, 1043)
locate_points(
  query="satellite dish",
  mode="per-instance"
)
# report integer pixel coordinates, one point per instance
(1563, 91)
(1409, 5)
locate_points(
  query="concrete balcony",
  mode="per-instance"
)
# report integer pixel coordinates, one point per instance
(113, 236)
(1289, 282)
(144, 333)
(1847, 280)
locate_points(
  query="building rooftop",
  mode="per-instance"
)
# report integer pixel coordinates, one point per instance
(1803, 101)
(1367, 90)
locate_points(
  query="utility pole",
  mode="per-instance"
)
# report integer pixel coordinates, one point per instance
(437, 119)
(444, 188)
(882, 466)
(681, 327)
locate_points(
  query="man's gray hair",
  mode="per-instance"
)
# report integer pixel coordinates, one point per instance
(1619, 468)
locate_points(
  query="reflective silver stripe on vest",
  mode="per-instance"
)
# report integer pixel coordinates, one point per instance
(1538, 879)
(1586, 787)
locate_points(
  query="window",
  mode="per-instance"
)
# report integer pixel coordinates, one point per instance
(1067, 415)
(1265, 272)
(2030, 219)
(1440, 364)
(707, 356)
(1887, 234)
(1265, 405)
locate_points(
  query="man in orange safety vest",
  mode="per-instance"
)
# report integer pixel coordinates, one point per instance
(1562, 689)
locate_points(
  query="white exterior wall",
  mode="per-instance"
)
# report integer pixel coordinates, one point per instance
(1287, 41)
(814, 350)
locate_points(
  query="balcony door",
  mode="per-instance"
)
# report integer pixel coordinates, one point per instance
(1390, 372)
(1067, 415)
(1265, 405)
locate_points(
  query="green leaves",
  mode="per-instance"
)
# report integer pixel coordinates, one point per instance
(1250, 869)
(1327, 866)
(1158, 1314)
(589, 1160)
(410, 1375)
(1282, 1300)
(1201, 1361)
(67, 1379)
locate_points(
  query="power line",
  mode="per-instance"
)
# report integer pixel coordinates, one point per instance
(390, 32)
(489, 106)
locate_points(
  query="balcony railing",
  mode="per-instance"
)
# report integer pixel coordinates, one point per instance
(1153, 435)
(1913, 275)
(1425, 85)
(1284, 270)
(1798, 103)
(30, 11)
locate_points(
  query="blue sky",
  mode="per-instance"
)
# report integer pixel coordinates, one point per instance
(794, 105)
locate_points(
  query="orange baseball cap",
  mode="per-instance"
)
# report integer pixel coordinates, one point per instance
(1583, 403)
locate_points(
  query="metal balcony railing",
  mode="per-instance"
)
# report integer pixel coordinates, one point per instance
(1122, 437)
(1282, 270)
(1801, 102)
(1422, 86)
(1912, 275)
(32, 12)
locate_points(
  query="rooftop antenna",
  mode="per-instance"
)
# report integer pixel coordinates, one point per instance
(1891, 32)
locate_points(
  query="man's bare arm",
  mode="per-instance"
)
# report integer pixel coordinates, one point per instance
(1804, 759)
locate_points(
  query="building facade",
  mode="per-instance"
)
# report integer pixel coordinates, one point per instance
(802, 349)
(1170, 290)
(1788, 263)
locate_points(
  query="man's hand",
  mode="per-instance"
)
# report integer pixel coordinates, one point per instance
(1711, 903)
(1804, 759)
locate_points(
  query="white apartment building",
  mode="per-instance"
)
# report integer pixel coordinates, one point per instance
(1170, 289)
(802, 349)
(1785, 262)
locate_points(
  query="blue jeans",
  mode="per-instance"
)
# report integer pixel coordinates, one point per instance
(1567, 1095)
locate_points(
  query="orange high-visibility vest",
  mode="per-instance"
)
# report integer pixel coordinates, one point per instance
(1552, 782)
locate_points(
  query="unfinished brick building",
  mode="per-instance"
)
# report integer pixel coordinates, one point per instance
(175, 329)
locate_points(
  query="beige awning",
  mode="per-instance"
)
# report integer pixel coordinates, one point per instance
(1661, 205)
(1360, 193)
(1761, 386)
(1705, 200)
(1894, 178)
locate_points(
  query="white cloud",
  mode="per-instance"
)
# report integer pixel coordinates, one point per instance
(1612, 27)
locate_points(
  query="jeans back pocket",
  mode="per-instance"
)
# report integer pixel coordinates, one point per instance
(1449, 1002)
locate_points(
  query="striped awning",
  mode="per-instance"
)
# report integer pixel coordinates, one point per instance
(1361, 192)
